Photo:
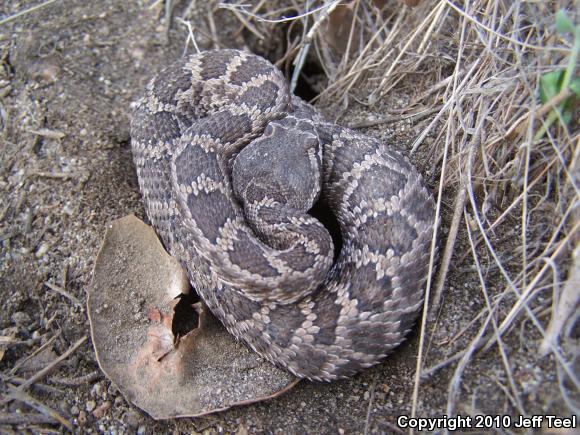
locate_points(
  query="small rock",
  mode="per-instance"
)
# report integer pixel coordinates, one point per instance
(82, 418)
(42, 249)
(102, 409)
(64, 407)
(137, 53)
(90, 405)
(142, 430)
(74, 410)
(96, 390)
(12, 331)
(20, 318)
(132, 418)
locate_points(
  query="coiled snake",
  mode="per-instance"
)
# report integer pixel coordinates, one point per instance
(229, 165)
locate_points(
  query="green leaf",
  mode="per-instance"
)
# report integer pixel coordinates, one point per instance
(563, 23)
(575, 85)
(550, 85)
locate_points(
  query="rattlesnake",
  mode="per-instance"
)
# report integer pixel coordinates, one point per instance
(229, 164)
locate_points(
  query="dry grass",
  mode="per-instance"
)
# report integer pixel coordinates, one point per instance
(512, 178)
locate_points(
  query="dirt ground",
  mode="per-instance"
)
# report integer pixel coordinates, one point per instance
(68, 74)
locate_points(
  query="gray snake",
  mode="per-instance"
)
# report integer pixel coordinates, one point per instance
(229, 164)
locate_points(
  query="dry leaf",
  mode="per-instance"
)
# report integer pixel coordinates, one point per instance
(133, 312)
(339, 26)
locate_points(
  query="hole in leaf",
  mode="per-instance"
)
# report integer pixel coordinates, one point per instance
(186, 317)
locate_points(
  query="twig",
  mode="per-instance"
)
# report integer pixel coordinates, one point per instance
(444, 109)
(18, 394)
(10, 234)
(50, 134)
(212, 28)
(58, 175)
(464, 359)
(433, 15)
(247, 24)
(36, 352)
(501, 347)
(168, 16)
(370, 406)
(432, 256)
(521, 124)
(413, 117)
(449, 247)
(81, 380)
(573, 404)
(522, 302)
(241, 9)
(47, 389)
(53, 365)
(13, 419)
(255, 9)
(427, 373)
(26, 11)
(64, 277)
(64, 293)
(189, 36)
(499, 35)
(307, 41)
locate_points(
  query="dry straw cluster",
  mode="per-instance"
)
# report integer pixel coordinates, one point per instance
(507, 154)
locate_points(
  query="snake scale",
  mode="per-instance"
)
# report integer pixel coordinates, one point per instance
(230, 164)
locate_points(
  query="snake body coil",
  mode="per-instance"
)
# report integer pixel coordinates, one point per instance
(229, 164)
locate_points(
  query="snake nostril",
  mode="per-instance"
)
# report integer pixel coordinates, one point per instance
(326, 217)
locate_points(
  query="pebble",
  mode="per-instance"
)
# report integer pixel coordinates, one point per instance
(64, 407)
(42, 249)
(20, 318)
(90, 405)
(82, 418)
(102, 409)
(141, 430)
(132, 418)
(96, 390)
(74, 410)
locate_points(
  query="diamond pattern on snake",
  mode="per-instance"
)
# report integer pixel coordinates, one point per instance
(230, 164)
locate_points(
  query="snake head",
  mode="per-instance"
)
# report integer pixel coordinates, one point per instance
(282, 165)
